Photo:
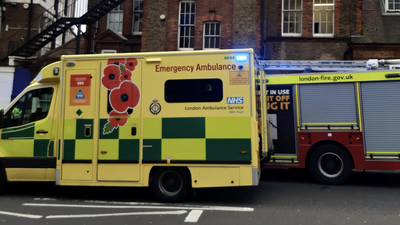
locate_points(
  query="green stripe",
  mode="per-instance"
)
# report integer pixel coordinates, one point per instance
(69, 149)
(152, 149)
(20, 127)
(40, 147)
(24, 133)
(113, 135)
(228, 149)
(183, 127)
(128, 149)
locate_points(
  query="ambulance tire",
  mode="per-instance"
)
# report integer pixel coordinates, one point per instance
(170, 184)
(3, 180)
(331, 164)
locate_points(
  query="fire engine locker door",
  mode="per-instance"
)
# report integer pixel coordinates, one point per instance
(380, 107)
(78, 141)
(120, 120)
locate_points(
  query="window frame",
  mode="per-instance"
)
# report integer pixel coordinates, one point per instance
(324, 35)
(14, 103)
(134, 32)
(387, 8)
(191, 25)
(209, 35)
(300, 33)
(118, 9)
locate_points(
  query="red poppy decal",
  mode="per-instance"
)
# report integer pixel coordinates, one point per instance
(125, 97)
(118, 119)
(125, 75)
(116, 61)
(131, 64)
(111, 77)
(125, 94)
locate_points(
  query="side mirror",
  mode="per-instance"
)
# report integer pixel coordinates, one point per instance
(1, 118)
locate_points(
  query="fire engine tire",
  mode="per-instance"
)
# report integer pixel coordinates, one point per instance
(170, 184)
(330, 164)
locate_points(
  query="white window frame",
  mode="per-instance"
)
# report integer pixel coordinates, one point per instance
(295, 10)
(119, 9)
(327, 35)
(136, 30)
(192, 24)
(212, 35)
(388, 6)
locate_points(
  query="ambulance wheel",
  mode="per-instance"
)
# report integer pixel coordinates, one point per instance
(3, 180)
(330, 164)
(170, 184)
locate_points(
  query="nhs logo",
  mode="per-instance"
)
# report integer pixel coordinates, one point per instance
(234, 100)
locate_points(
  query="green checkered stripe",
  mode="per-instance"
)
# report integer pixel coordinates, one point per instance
(209, 139)
(25, 144)
(80, 147)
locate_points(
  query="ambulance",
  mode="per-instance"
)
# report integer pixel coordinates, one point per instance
(170, 121)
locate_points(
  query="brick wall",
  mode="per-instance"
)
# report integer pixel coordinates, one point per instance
(347, 22)
(154, 29)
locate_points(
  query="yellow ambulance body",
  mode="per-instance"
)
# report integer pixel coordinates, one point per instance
(168, 120)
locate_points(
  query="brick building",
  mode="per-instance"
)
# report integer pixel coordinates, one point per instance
(380, 37)
(311, 29)
(171, 25)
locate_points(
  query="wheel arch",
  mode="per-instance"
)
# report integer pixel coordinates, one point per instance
(326, 142)
(183, 168)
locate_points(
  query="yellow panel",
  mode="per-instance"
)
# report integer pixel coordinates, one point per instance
(19, 174)
(76, 171)
(246, 175)
(111, 146)
(83, 149)
(69, 129)
(118, 172)
(184, 149)
(152, 128)
(51, 174)
(45, 124)
(125, 132)
(215, 176)
(17, 148)
(228, 127)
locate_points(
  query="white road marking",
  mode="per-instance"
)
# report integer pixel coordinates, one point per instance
(184, 207)
(31, 216)
(193, 216)
(179, 212)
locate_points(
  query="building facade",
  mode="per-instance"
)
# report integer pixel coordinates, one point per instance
(174, 25)
(311, 29)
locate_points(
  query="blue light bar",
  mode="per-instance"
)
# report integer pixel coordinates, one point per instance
(241, 58)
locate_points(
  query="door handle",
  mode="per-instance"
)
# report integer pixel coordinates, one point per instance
(42, 132)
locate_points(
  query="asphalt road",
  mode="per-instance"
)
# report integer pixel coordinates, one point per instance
(283, 197)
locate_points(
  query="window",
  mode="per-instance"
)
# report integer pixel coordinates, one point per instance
(392, 5)
(292, 11)
(33, 106)
(137, 16)
(212, 35)
(323, 18)
(186, 25)
(194, 90)
(115, 19)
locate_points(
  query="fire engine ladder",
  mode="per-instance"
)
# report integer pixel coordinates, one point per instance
(329, 65)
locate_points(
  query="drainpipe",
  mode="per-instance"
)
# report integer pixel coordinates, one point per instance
(28, 36)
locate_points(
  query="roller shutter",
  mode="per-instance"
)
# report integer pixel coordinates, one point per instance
(328, 104)
(380, 102)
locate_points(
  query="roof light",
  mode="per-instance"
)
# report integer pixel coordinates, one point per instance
(241, 58)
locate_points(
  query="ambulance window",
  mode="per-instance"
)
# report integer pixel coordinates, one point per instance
(193, 90)
(33, 106)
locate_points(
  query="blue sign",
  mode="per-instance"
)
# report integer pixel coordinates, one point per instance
(234, 100)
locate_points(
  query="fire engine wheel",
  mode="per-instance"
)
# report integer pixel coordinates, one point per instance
(170, 184)
(330, 164)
